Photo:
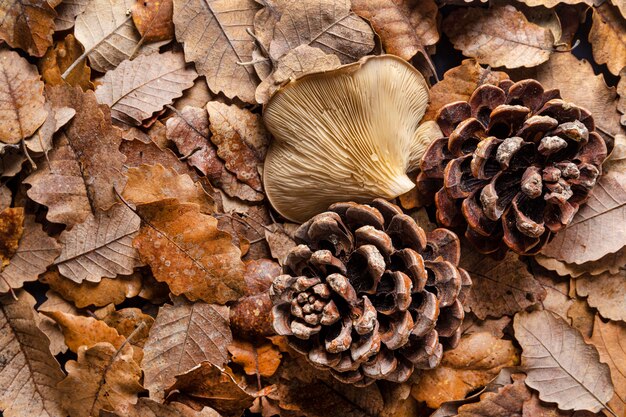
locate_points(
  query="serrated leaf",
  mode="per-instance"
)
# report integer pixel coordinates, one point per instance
(608, 37)
(606, 292)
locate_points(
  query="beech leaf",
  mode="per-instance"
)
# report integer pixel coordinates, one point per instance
(27, 25)
(153, 19)
(506, 402)
(67, 12)
(11, 229)
(608, 37)
(606, 292)
(84, 331)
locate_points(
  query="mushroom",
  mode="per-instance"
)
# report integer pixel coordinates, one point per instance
(348, 134)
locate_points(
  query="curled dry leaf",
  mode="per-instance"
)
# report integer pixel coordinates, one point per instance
(102, 378)
(58, 59)
(11, 229)
(608, 37)
(262, 359)
(54, 302)
(21, 98)
(148, 408)
(153, 19)
(184, 335)
(506, 402)
(27, 25)
(611, 262)
(100, 247)
(475, 361)
(606, 292)
(499, 36)
(574, 378)
(137, 89)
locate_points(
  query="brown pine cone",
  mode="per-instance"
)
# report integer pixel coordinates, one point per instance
(368, 294)
(514, 166)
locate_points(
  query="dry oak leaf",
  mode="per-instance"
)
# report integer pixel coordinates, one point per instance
(581, 315)
(11, 229)
(610, 340)
(27, 25)
(534, 407)
(197, 96)
(506, 402)
(280, 243)
(459, 83)
(404, 26)
(499, 287)
(28, 372)
(21, 98)
(153, 19)
(214, 36)
(608, 37)
(197, 261)
(477, 359)
(137, 89)
(552, 3)
(189, 130)
(559, 364)
(58, 59)
(67, 12)
(262, 359)
(499, 36)
(148, 408)
(606, 292)
(54, 302)
(184, 335)
(35, 253)
(139, 153)
(127, 321)
(41, 141)
(611, 262)
(557, 289)
(102, 378)
(241, 140)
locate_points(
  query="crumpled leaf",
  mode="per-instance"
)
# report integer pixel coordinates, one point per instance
(58, 59)
(137, 89)
(608, 37)
(100, 247)
(574, 378)
(475, 361)
(506, 402)
(21, 98)
(84, 331)
(611, 262)
(28, 372)
(184, 335)
(498, 36)
(102, 378)
(606, 292)
(214, 36)
(153, 19)
(27, 25)
(11, 229)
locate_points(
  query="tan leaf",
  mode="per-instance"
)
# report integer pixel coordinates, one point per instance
(54, 302)
(184, 335)
(27, 25)
(621, 91)
(325, 24)
(279, 242)
(499, 36)
(36, 251)
(100, 247)
(139, 153)
(507, 402)
(553, 3)
(260, 360)
(127, 322)
(472, 325)
(534, 407)
(137, 89)
(606, 292)
(67, 12)
(608, 37)
(611, 262)
(58, 59)
(557, 298)
(153, 19)
(28, 372)
(475, 361)
(11, 229)
(84, 331)
(21, 98)
(573, 378)
(41, 140)
(581, 316)
(404, 26)
(102, 378)
(148, 408)
(197, 96)
(610, 340)
(241, 140)
(214, 36)
(189, 130)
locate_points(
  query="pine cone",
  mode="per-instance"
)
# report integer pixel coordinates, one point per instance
(516, 164)
(368, 294)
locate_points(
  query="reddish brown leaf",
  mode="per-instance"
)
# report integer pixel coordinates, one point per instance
(27, 24)
(59, 59)
(507, 402)
(608, 37)
(260, 360)
(11, 229)
(153, 19)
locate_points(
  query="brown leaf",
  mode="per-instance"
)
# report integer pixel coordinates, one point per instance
(84, 331)
(11, 229)
(137, 89)
(250, 317)
(27, 25)
(28, 372)
(215, 38)
(54, 302)
(184, 335)
(102, 378)
(139, 153)
(189, 130)
(471, 324)
(259, 275)
(197, 96)
(475, 361)
(610, 340)
(241, 140)
(621, 92)
(36, 251)
(611, 262)
(153, 19)
(507, 402)
(260, 360)
(21, 97)
(574, 378)
(41, 140)
(127, 321)
(459, 83)
(553, 3)
(67, 12)
(280, 243)
(148, 408)
(606, 292)
(404, 26)
(101, 247)
(557, 298)
(581, 316)
(608, 37)
(534, 407)
(499, 36)
(58, 59)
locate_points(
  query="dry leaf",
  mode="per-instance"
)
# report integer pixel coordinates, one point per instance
(250, 317)
(215, 38)
(280, 243)
(28, 372)
(21, 98)
(153, 19)
(611, 262)
(139, 153)
(260, 360)
(606, 292)
(581, 316)
(137, 89)
(58, 59)
(475, 361)
(184, 335)
(54, 302)
(84, 331)
(11, 229)
(608, 37)
(102, 378)
(557, 298)
(27, 25)
(507, 402)
(197, 96)
(41, 141)
(127, 322)
(573, 378)
(499, 36)
(404, 26)
(553, 3)
(621, 91)
(67, 12)
(148, 408)
(241, 141)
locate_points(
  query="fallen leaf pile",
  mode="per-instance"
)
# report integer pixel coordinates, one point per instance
(137, 245)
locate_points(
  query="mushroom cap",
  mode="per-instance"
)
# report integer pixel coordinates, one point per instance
(348, 134)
